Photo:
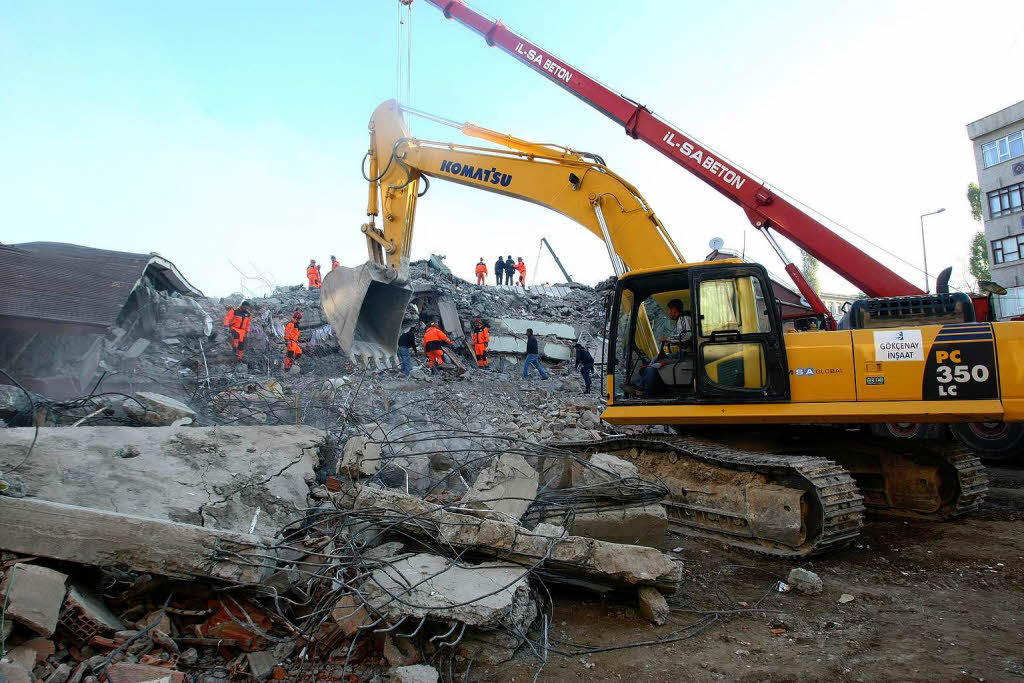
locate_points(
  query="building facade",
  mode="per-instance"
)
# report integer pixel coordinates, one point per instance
(999, 155)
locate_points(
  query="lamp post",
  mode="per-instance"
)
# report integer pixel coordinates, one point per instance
(924, 250)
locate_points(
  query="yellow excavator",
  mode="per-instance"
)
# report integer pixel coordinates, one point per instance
(732, 364)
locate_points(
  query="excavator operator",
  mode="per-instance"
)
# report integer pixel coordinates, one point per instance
(434, 341)
(683, 335)
(313, 275)
(481, 338)
(238, 321)
(291, 340)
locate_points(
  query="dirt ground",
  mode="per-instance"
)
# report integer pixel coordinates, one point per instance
(931, 602)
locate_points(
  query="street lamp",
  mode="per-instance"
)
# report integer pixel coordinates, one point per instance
(924, 249)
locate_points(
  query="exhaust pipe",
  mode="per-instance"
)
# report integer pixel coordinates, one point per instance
(365, 306)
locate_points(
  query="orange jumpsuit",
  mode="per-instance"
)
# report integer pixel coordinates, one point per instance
(334, 263)
(291, 339)
(481, 273)
(434, 340)
(238, 324)
(481, 338)
(313, 275)
(521, 267)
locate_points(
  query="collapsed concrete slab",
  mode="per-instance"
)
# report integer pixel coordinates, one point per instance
(584, 560)
(209, 476)
(504, 490)
(645, 525)
(33, 595)
(540, 328)
(488, 595)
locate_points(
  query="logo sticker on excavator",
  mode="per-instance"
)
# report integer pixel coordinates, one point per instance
(488, 175)
(961, 364)
(898, 345)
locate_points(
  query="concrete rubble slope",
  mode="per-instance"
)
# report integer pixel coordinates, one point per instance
(504, 489)
(208, 476)
(599, 562)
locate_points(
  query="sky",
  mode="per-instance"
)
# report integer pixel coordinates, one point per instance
(228, 136)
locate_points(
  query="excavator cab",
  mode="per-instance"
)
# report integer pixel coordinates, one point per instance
(728, 346)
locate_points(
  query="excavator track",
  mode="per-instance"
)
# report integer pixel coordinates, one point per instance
(782, 505)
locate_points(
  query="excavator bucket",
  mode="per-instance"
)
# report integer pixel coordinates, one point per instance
(365, 306)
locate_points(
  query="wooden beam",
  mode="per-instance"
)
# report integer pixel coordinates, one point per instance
(110, 539)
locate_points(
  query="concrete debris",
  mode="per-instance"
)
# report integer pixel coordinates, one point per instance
(653, 605)
(603, 468)
(261, 664)
(360, 457)
(215, 477)
(845, 598)
(486, 595)
(12, 485)
(125, 672)
(12, 673)
(805, 581)
(160, 410)
(645, 525)
(60, 675)
(34, 595)
(503, 490)
(136, 349)
(85, 615)
(598, 561)
(417, 673)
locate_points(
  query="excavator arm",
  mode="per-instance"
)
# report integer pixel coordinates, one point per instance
(575, 185)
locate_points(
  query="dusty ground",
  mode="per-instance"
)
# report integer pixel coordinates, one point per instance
(932, 602)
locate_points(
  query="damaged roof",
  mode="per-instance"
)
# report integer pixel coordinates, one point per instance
(67, 286)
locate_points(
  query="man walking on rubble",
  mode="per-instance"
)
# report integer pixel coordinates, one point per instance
(510, 269)
(434, 341)
(238, 321)
(313, 275)
(585, 364)
(406, 349)
(499, 270)
(291, 341)
(481, 272)
(521, 267)
(532, 356)
(481, 338)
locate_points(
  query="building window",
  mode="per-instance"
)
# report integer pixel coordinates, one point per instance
(1007, 249)
(1003, 149)
(1006, 200)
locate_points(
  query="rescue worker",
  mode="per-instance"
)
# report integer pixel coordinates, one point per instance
(434, 341)
(532, 356)
(334, 262)
(291, 340)
(406, 349)
(499, 270)
(481, 272)
(481, 338)
(238, 321)
(313, 275)
(585, 364)
(510, 268)
(521, 267)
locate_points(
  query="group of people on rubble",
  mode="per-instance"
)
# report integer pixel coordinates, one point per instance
(503, 269)
(313, 275)
(238, 320)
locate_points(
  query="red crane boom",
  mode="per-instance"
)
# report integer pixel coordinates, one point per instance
(764, 208)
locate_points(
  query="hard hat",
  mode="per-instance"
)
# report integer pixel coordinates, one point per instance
(297, 315)
(244, 303)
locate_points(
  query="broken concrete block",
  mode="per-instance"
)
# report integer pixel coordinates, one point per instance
(12, 485)
(34, 596)
(417, 673)
(23, 656)
(653, 605)
(504, 490)
(85, 615)
(488, 595)
(539, 327)
(59, 675)
(400, 651)
(633, 526)
(169, 410)
(261, 664)
(136, 349)
(805, 581)
(349, 614)
(360, 457)
(555, 351)
(605, 467)
(549, 530)
(125, 672)
(12, 673)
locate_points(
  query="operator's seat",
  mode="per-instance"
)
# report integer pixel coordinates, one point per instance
(677, 373)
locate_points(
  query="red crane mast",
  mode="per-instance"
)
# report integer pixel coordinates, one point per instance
(765, 209)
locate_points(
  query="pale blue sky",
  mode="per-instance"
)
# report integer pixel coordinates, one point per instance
(232, 132)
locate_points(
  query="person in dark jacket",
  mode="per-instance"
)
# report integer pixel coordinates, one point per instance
(585, 364)
(499, 270)
(406, 349)
(532, 356)
(510, 269)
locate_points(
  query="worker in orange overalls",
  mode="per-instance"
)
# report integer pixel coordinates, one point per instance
(334, 262)
(481, 271)
(481, 338)
(434, 341)
(313, 275)
(521, 267)
(238, 321)
(291, 340)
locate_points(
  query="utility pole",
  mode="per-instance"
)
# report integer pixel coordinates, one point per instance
(568, 278)
(924, 250)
